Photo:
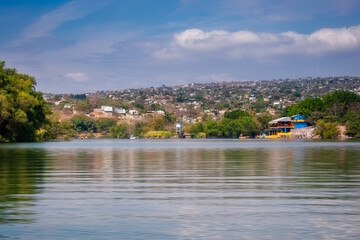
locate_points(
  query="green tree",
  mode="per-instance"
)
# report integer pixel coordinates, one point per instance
(219, 106)
(83, 123)
(314, 117)
(158, 123)
(337, 109)
(155, 107)
(248, 126)
(199, 97)
(170, 118)
(231, 128)
(335, 104)
(326, 129)
(344, 97)
(141, 128)
(78, 96)
(236, 114)
(353, 124)
(83, 106)
(354, 107)
(119, 131)
(196, 128)
(139, 106)
(264, 119)
(67, 129)
(104, 124)
(211, 129)
(306, 107)
(23, 111)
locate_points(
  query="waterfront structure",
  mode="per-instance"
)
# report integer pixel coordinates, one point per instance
(281, 127)
(299, 121)
(179, 130)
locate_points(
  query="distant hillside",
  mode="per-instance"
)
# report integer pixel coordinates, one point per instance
(228, 93)
(205, 109)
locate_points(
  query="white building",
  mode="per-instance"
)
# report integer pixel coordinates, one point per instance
(107, 109)
(133, 112)
(160, 112)
(69, 105)
(121, 111)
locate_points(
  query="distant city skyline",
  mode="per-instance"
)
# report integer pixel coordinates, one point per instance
(85, 45)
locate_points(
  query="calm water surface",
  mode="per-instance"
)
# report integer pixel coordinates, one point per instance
(180, 189)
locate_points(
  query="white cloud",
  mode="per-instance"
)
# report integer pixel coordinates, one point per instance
(198, 40)
(77, 77)
(220, 43)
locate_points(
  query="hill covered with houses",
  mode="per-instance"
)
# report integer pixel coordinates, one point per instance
(159, 108)
(191, 101)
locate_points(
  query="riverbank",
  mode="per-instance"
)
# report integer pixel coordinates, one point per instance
(302, 133)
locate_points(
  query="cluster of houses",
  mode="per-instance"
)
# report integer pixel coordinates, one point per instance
(110, 111)
(191, 101)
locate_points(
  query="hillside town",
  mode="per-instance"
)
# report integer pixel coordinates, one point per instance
(195, 102)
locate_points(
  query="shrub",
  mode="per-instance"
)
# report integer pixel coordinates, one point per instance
(196, 128)
(83, 123)
(200, 135)
(326, 129)
(119, 131)
(353, 124)
(158, 134)
(104, 124)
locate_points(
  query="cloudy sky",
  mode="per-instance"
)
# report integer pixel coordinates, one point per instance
(87, 45)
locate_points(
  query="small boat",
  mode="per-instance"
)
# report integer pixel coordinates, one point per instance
(133, 137)
(243, 137)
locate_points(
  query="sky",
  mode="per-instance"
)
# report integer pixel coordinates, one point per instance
(83, 46)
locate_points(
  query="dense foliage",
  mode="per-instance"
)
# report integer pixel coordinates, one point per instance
(83, 126)
(118, 131)
(23, 111)
(158, 134)
(338, 107)
(234, 124)
(326, 129)
(335, 104)
(236, 114)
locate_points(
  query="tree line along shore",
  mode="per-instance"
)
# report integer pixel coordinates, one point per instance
(25, 116)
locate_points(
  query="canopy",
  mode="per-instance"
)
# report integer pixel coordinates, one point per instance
(283, 119)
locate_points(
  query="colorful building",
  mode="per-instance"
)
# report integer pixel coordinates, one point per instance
(282, 127)
(299, 121)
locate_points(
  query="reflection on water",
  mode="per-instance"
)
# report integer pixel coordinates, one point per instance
(180, 189)
(21, 177)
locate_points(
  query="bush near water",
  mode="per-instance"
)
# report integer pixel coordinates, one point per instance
(158, 134)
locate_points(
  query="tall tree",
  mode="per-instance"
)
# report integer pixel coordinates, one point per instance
(23, 110)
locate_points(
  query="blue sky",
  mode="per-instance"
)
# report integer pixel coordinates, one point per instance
(85, 45)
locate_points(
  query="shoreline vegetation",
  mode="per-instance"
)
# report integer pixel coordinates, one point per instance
(25, 116)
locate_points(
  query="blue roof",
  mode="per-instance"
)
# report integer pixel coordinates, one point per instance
(298, 117)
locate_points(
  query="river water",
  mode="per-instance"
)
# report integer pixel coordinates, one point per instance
(180, 189)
